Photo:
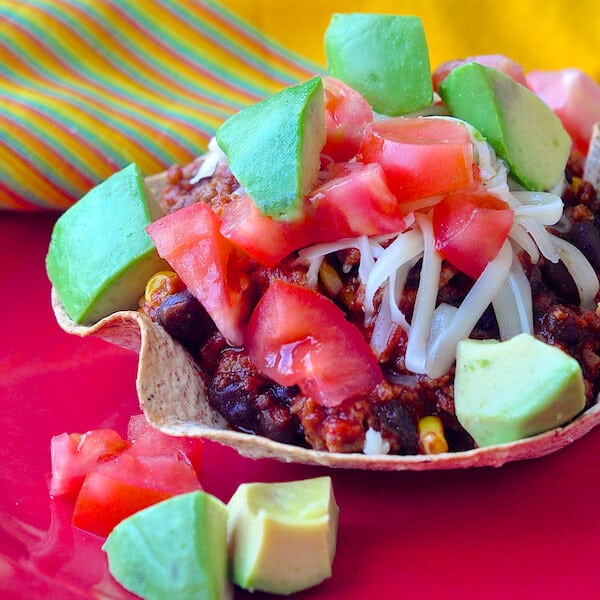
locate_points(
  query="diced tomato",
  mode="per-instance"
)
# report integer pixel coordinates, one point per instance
(116, 489)
(346, 114)
(265, 239)
(211, 267)
(421, 157)
(113, 477)
(574, 97)
(355, 201)
(72, 455)
(149, 441)
(496, 61)
(469, 229)
(297, 336)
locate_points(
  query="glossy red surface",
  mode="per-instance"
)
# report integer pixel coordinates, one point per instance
(528, 529)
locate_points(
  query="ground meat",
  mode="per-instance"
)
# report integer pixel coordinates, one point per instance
(577, 332)
(213, 190)
(574, 167)
(334, 429)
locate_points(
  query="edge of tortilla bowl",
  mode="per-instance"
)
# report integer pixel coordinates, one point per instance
(172, 395)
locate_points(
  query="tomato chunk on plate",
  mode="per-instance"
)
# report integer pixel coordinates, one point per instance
(421, 157)
(152, 442)
(73, 455)
(265, 239)
(116, 489)
(355, 201)
(297, 336)
(469, 229)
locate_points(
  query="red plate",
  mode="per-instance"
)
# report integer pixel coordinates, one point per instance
(527, 529)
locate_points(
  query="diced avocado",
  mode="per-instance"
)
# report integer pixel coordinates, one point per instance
(506, 391)
(273, 147)
(522, 129)
(384, 57)
(282, 536)
(174, 549)
(100, 256)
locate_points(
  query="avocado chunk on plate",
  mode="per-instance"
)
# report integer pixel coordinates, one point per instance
(282, 536)
(174, 549)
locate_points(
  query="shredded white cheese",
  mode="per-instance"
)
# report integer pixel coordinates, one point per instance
(374, 443)
(434, 332)
(211, 161)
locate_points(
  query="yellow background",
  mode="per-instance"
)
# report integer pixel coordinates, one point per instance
(545, 35)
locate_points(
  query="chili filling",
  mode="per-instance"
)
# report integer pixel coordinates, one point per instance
(251, 402)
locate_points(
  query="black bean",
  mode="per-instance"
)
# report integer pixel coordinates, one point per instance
(397, 418)
(252, 402)
(585, 235)
(233, 389)
(275, 420)
(558, 279)
(562, 325)
(185, 318)
(233, 403)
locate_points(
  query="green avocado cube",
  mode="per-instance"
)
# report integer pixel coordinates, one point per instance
(506, 391)
(522, 129)
(100, 256)
(282, 536)
(174, 549)
(384, 57)
(274, 147)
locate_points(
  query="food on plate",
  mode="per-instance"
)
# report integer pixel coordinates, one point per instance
(282, 536)
(506, 391)
(521, 128)
(73, 455)
(174, 549)
(384, 57)
(273, 537)
(325, 331)
(112, 478)
(104, 229)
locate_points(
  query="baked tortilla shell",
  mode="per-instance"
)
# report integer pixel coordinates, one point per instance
(173, 397)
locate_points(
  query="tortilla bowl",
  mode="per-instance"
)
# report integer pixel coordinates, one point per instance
(172, 395)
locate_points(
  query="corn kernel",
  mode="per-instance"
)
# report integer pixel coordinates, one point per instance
(431, 435)
(161, 284)
(330, 279)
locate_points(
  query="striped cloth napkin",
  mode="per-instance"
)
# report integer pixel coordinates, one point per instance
(88, 86)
